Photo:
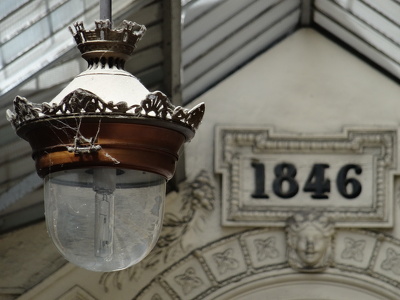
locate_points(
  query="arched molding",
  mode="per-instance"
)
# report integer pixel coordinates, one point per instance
(331, 285)
(76, 293)
(364, 259)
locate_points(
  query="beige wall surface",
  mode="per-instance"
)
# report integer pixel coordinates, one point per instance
(305, 85)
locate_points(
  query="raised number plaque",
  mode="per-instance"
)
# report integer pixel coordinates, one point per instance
(267, 177)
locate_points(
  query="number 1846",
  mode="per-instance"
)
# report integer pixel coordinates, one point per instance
(286, 186)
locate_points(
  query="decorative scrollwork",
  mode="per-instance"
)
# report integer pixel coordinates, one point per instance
(197, 199)
(81, 102)
(24, 111)
(157, 104)
(198, 196)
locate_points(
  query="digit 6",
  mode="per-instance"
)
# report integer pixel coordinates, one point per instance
(343, 182)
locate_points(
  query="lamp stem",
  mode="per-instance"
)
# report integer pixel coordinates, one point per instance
(105, 10)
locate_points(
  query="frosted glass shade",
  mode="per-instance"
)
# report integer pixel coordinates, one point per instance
(104, 219)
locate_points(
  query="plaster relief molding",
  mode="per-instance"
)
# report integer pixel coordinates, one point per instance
(76, 293)
(380, 257)
(199, 269)
(309, 239)
(225, 260)
(187, 279)
(354, 249)
(387, 259)
(196, 201)
(237, 148)
(265, 248)
(155, 291)
(357, 251)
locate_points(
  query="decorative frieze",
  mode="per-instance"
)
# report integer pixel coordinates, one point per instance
(186, 280)
(204, 274)
(265, 248)
(225, 260)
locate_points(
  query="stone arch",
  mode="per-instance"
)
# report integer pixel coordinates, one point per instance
(330, 285)
(234, 264)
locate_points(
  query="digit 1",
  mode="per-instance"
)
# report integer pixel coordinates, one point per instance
(317, 183)
(259, 174)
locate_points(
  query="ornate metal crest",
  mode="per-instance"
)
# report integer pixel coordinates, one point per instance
(82, 102)
(118, 43)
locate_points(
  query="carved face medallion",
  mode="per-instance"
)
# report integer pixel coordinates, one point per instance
(311, 245)
(309, 238)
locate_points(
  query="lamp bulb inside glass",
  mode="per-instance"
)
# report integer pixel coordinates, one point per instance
(104, 219)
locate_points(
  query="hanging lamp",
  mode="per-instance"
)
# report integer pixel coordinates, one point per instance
(105, 147)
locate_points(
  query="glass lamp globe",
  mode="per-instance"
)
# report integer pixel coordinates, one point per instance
(104, 219)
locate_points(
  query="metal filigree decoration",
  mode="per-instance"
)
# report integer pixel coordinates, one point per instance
(24, 111)
(83, 102)
(309, 238)
(197, 200)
